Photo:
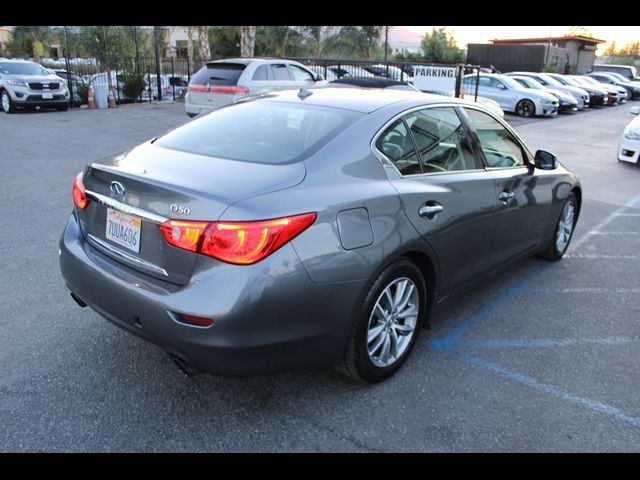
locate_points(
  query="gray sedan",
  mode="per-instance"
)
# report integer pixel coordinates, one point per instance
(309, 228)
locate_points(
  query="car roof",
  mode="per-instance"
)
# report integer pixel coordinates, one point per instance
(368, 82)
(355, 99)
(247, 61)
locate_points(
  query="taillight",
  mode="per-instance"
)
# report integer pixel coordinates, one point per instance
(79, 197)
(183, 234)
(197, 87)
(245, 243)
(232, 89)
(240, 243)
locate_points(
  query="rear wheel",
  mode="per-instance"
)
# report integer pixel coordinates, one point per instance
(63, 108)
(563, 232)
(525, 108)
(387, 325)
(7, 104)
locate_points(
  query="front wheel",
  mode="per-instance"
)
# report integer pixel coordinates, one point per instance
(563, 232)
(7, 104)
(525, 108)
(388, 324)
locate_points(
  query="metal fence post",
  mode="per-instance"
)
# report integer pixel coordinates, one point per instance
(173, 80)
(68, 65)
(156, 36)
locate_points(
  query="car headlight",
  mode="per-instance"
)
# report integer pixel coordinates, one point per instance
(547, 102)
(17, 83)
(629, 135)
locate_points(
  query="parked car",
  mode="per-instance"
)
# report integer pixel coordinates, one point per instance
(222, 82)
(309, 228)
(629, 146)
(389, 71)
(567, 102)
(580, 94)
(632, 88)
(623, 95)
(371, 82)
(629, 72)
(511, 96)
(323, 72)
(597, 95)
(25, 84)
(614, 96)
(349, 71)
(77, 83)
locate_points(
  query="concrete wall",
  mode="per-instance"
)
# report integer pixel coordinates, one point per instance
(507, 58)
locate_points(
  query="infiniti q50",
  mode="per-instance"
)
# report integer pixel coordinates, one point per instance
(309, 228)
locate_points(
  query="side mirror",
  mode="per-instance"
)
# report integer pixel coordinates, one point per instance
(545, 160)
(501, 86)
(635, 110)
(319, 77)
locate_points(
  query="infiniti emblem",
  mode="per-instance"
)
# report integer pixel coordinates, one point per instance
(117, 189)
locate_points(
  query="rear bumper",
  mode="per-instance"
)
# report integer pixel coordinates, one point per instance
(268, 317)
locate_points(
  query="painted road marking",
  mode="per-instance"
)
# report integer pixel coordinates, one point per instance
(449, 341)
(574, 290)
(594, 256)
(546, 342)
(592, 232)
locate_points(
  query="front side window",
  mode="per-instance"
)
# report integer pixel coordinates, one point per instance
(396, 144)
(441, 140)
(501, 149)
(300, 75)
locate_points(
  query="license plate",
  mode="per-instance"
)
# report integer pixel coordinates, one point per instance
(47, 96)
(123, 229)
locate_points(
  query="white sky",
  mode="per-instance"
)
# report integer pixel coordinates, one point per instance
(470, 34)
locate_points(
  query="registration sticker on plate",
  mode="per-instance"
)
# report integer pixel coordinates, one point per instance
(123, 229)
(47, 96)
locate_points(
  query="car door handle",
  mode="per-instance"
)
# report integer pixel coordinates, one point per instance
(430, 210)
(505, 196)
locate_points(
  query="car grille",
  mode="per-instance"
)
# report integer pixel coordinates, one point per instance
(40, 86)
(33, 98)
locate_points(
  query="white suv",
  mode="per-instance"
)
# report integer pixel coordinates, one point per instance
(221, 82)
(29, 84)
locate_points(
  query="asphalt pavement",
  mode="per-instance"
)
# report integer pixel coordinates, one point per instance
(542, 357)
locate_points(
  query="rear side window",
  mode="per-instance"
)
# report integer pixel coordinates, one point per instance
(280, 72)
(262, 132)
(261, 73)
(219, 74)
(397, 146)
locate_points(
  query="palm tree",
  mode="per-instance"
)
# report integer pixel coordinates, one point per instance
(203, 38)
(247, 41)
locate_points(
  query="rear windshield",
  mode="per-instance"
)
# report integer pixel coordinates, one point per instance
(20, 68)
(260, 131)
(219, 74)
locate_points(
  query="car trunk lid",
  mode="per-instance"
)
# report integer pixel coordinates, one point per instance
(153, 184)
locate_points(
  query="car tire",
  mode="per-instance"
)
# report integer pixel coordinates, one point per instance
(63, 108)
(563, 231)
(6, 103)
(386, 328)
(525, 108)
(192, 114)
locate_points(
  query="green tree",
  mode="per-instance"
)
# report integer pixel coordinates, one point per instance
(224, 41)
(440, 47)
(579, 32)
(108, 44)
(30, 40)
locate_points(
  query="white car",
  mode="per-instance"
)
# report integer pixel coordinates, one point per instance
(510, 95)
(222, 82)
(489, 104)
(629, 146)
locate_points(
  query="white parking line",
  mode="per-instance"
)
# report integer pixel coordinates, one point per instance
(590, 256)
(593, 232)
